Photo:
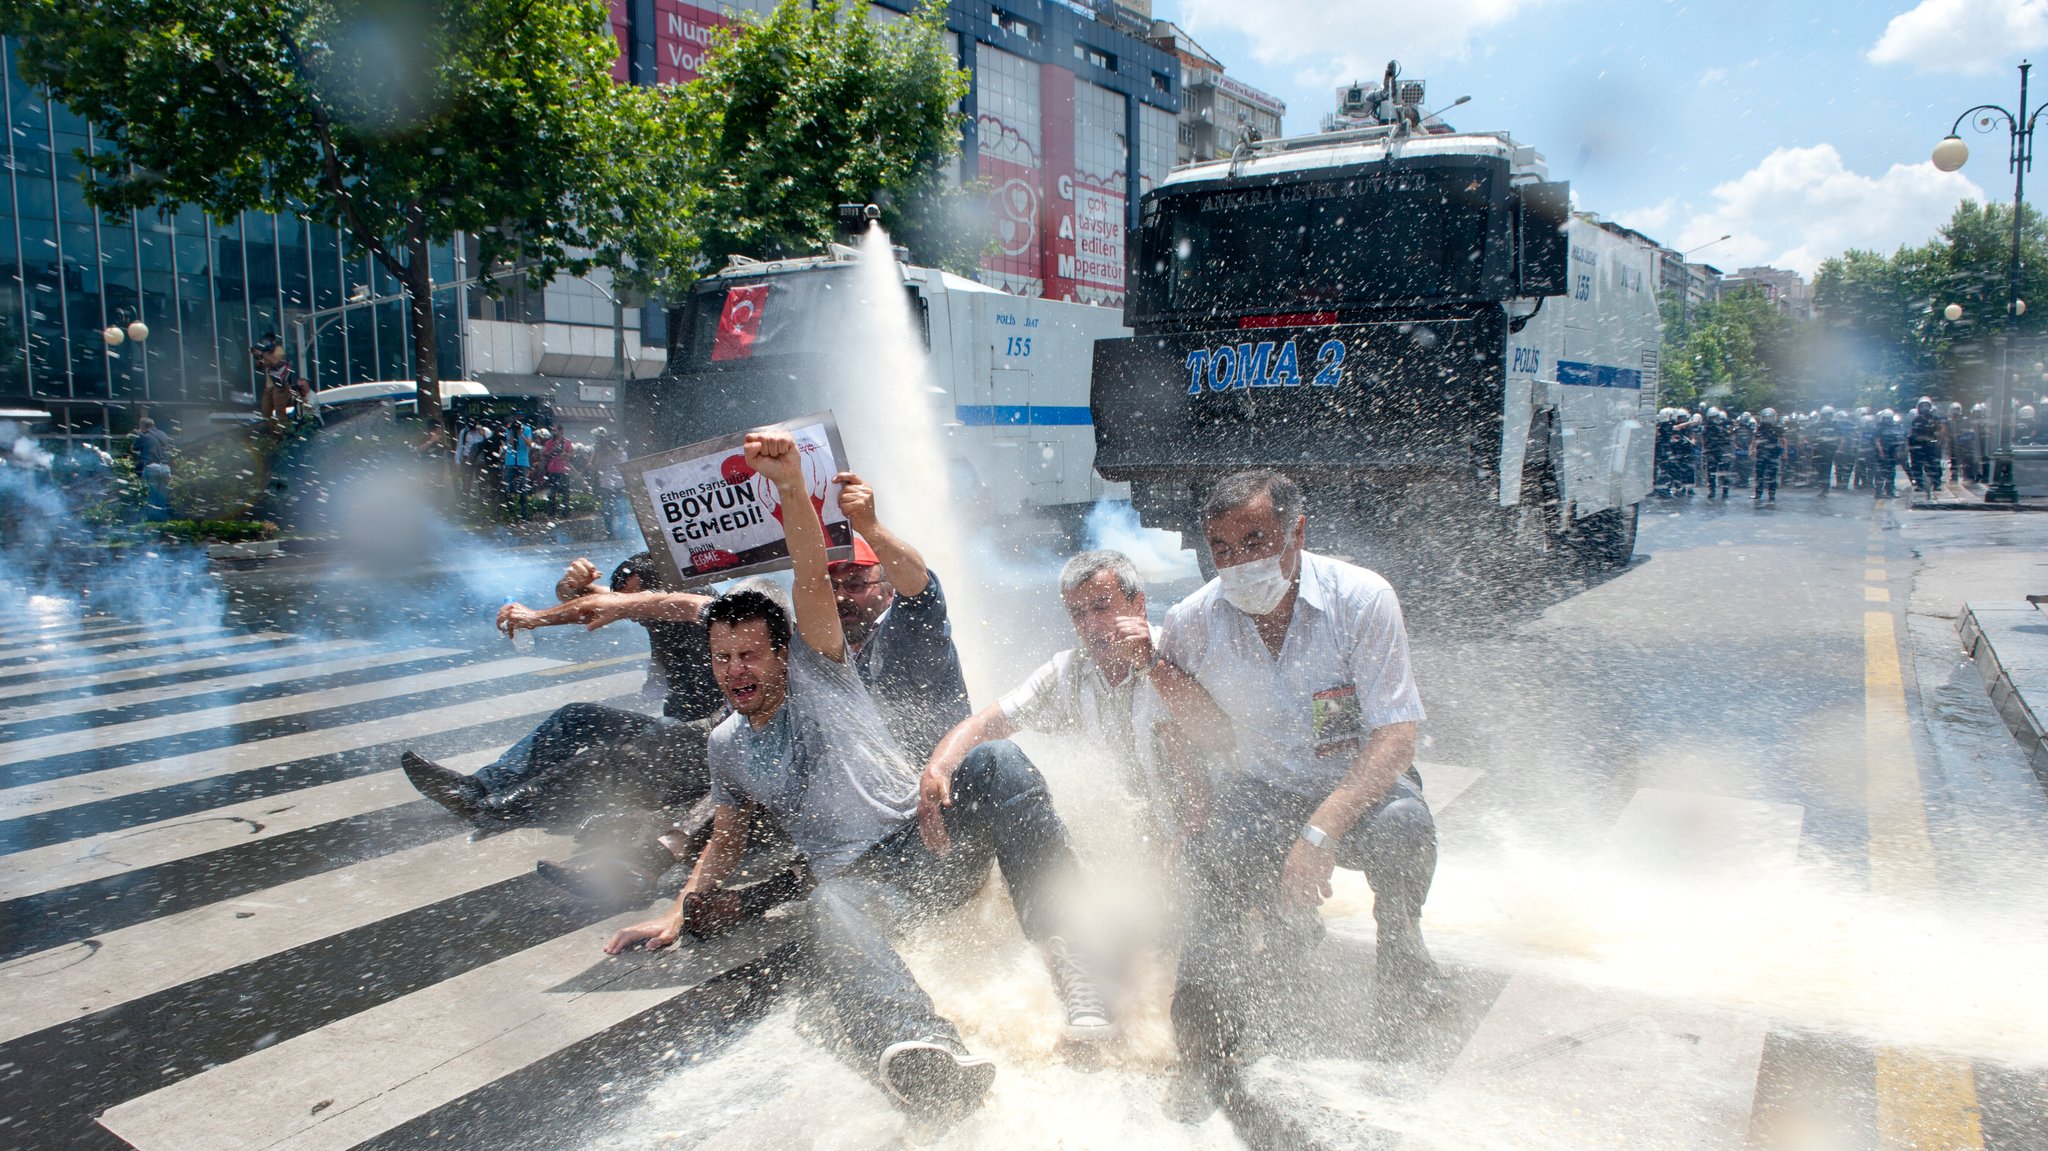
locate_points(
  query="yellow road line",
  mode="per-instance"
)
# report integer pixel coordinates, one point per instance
(596, 663)
(1877, 595)
(1923, 1104)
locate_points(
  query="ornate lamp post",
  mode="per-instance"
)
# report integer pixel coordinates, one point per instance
(1950, 155)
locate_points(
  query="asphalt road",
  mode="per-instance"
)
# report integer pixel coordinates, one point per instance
(1734, 854)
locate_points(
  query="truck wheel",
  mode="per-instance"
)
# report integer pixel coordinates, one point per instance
(1608, 539)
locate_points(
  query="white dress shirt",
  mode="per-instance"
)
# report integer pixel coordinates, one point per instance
(1301, 717)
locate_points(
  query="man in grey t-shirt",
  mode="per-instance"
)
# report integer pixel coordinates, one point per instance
(806, 746)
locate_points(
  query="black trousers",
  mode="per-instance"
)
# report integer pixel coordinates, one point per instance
(1236, 868)
(588, 757)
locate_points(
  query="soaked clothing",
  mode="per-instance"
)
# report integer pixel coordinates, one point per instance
(1070, 696)
(910, 664)
(1342, 672)
(826, 768)
(1001, 814)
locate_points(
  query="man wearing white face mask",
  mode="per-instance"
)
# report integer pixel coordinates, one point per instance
(1301, 662)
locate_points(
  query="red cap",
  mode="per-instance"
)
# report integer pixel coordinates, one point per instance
(863, 556)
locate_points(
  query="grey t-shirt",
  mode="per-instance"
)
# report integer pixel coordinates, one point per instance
(826, 767)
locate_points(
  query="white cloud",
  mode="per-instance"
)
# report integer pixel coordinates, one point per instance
(1353, 39)
(1968, 36)
(1803, 205)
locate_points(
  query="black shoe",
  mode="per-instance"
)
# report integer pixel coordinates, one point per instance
(462, 796)
(608, 883)
(935, 1079)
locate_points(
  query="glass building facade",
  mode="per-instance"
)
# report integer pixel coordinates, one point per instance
(205, 289)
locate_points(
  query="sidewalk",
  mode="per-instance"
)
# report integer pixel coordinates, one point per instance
(1964, 496)
(2009, 641)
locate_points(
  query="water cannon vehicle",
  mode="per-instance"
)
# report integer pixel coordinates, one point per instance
(762, 340)
(1409, 320)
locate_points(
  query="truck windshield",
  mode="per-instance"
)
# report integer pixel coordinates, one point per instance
(1438, 233)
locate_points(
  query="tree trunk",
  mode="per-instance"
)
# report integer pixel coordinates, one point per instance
(419, 291)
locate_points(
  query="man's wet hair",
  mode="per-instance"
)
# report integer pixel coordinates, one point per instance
(737, 607)
(1088, 565)
(641, 565)
(1240, 488)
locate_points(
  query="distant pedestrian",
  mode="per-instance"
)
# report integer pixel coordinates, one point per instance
(1826, 442)
(1745, 448)
(609, 462)
(1891, 454)
(518, 463)
(556, 456)
(152, 455)
(1923, 447)
(1769, 450)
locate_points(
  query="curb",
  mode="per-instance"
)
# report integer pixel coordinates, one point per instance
(2025, 723)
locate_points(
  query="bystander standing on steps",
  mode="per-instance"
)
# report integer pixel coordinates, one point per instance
(152, 455)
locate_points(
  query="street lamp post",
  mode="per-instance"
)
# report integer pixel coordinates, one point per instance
(1949, 155)
(1685, 287)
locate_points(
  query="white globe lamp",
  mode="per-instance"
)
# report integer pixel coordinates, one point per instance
(138, 331)
(1951, 153)
(1954, 312)
(113, 335)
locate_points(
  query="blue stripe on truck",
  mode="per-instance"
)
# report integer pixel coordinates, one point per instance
(1017, 415)
(1598, 376)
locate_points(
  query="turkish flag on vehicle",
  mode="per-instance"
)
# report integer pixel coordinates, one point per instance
(739, 324)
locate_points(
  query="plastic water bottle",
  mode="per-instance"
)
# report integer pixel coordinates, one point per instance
(522, 637)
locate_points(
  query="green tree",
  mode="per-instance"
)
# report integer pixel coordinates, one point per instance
(1739, 352)
(400, 122)
(1885, 314)
(791, 116)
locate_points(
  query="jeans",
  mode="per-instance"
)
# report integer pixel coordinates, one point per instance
(587, 754)
(1001, 814)
(1237, 865)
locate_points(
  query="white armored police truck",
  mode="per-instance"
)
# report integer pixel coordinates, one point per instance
(759, 341)
(1409, 320)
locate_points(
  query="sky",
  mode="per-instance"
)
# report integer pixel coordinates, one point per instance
(1798, 128)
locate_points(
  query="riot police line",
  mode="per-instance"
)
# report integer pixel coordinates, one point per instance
(1708, 452)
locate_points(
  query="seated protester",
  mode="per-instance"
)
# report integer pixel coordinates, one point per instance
(894, 615)
(1100, 691)
(1305, 664)
(643, 760)
(807, 747)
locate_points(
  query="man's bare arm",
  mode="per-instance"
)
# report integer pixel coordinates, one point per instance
(600, 608)
(1199, 718)
(720, 857)
(579, 580)
(773, 453)
(1386, 754)
(903, 564)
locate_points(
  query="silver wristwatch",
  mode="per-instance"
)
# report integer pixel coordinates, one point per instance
(1314, 836)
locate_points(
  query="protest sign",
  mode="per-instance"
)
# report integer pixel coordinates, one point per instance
(707, 516)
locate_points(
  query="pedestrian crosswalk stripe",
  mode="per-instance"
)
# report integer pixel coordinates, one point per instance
(32, 624)
(15, 639)
(74, 980)
(314, 1091)
(146, 695)
(128, 779)
(94, 857)
(157, 670)
(23, 651)
(1642, 1072)
(107, 735)
(109, 660)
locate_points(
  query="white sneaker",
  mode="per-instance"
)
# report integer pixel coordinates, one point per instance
(1088, 1018)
